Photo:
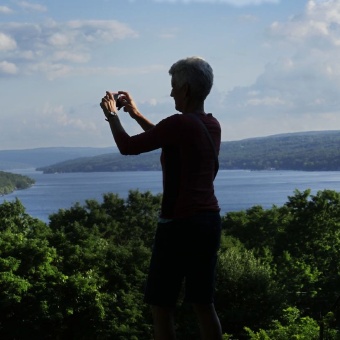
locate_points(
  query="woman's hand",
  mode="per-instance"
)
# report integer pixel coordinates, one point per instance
(126, 101)
(108, 104)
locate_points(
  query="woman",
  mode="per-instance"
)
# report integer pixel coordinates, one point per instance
(189, 227)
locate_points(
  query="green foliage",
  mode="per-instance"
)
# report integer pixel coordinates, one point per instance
(292, 326)
(10, 182)
(27, 272)
(82, 276)
(244, 283)
(301, 243)
(105, 251)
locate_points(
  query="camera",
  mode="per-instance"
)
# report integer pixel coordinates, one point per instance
(116, 97)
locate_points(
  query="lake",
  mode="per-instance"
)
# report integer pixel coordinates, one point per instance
(235, 189)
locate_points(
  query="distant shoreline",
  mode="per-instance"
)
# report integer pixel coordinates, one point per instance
(10, 182)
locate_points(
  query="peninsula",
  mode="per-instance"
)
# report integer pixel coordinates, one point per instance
(10, 182)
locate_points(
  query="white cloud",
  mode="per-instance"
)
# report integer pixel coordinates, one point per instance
(51, 70)
(170, 33)
(28, 55)
(73, 57)
(236, 3)
(54, 70)
(53, 47)
(5, 10)
(32, 6)
(8, 68)
(60, 39)
(6, 42)
(315, 38)
(53, 125)
(300, 90)
(60, 34)
(257, 126)
(56, 117)
(248, 18)
(319, 24)
(102, 30)
(265, 101)
(150, 102)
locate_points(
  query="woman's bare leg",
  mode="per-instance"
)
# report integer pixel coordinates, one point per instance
(209, 322)
(163, 321)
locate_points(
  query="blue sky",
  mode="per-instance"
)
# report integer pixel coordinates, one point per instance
(276, 65)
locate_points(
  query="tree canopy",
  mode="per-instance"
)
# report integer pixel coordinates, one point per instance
(82, 275)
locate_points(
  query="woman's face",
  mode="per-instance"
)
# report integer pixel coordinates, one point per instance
(178, 94)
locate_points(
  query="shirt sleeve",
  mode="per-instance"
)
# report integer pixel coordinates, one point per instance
(162, 134)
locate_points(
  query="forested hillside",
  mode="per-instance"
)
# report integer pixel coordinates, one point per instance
(107, 162)
(308, 151)
(299, 151)
(10, 182)
(82, 275)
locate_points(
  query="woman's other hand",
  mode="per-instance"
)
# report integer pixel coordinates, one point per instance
(129, 105)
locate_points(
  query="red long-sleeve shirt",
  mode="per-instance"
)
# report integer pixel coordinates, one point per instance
(187, 159)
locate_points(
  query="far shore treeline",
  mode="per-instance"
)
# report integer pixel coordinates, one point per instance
(308, 151)
(304, 151)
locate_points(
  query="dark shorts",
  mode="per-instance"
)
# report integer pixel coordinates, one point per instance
(184, 250)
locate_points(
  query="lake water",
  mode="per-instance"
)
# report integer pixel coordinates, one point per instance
(236, 190)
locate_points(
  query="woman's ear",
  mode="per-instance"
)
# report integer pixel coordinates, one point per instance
(186, 90)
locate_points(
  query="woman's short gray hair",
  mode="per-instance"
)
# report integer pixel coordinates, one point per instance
(196, 72)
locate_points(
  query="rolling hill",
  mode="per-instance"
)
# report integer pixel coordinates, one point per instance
(308, 151)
